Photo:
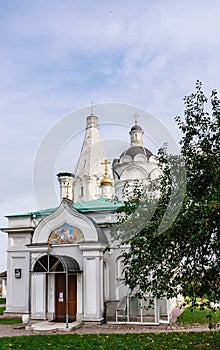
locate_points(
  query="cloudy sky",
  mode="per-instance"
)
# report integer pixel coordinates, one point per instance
(58, 56)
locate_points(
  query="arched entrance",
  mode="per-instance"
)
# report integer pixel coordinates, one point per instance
(65, 269)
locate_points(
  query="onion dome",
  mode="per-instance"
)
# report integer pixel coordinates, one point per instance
(136, 127)
(136, 142)
(106, 181)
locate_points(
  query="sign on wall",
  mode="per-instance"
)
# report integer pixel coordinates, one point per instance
(17, 273)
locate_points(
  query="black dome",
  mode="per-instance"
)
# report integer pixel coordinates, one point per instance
(134, 150)
(136, 127)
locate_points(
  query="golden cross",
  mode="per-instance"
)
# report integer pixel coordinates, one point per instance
(92, 108)
(136, 116)
(67, 186)
(106, 163)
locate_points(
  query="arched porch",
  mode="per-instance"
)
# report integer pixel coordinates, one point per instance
(53, 287)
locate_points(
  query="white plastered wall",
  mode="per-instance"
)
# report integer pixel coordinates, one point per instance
(88, 254)
(18, 258)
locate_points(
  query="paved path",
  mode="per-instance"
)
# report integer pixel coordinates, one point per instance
(12, 330)
(9, 330)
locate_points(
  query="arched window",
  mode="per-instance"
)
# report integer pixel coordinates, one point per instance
(55, 263)
(119, 268)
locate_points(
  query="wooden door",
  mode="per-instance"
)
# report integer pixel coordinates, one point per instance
(72, 296)
(60, 297)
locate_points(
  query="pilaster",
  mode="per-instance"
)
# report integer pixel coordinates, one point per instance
(93, 283)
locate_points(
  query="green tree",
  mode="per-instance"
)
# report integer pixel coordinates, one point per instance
(178, 249)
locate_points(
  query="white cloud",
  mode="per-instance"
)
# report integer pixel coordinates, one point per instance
(56, 56)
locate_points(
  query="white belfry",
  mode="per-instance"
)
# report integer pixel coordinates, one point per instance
(89, 170)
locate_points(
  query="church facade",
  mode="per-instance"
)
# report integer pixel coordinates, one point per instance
(62, 262)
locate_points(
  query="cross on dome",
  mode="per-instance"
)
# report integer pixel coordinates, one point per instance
(106, 163)
(92, 107)
(136, 116)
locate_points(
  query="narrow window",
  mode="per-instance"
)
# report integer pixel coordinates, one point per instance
(81, 191)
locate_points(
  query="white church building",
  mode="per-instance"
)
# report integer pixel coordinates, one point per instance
(62, 262)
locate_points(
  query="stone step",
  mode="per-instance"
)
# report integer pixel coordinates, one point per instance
(48, 326)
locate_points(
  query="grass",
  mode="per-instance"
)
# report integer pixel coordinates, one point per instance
(192, 316)
(10, 321)
(142, 341)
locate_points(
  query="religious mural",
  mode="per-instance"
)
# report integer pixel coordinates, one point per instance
(66, 234)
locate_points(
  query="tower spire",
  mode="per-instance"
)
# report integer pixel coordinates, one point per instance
(136, 116)
(89, 170)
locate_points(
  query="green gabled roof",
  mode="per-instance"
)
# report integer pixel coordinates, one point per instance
(43, 212)
(37, 213)
(100, 204)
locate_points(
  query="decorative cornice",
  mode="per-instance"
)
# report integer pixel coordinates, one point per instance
(18, 229)
(92, 246)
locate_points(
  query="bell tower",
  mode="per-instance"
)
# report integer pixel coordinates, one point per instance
(89, 171)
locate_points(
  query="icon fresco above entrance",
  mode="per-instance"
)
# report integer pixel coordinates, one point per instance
(66, 234)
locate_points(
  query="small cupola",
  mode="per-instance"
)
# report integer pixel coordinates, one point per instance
(92, 120)
(106, 182)
(136, 133)
(66, 185)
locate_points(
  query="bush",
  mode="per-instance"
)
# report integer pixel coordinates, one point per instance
(2, 309)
